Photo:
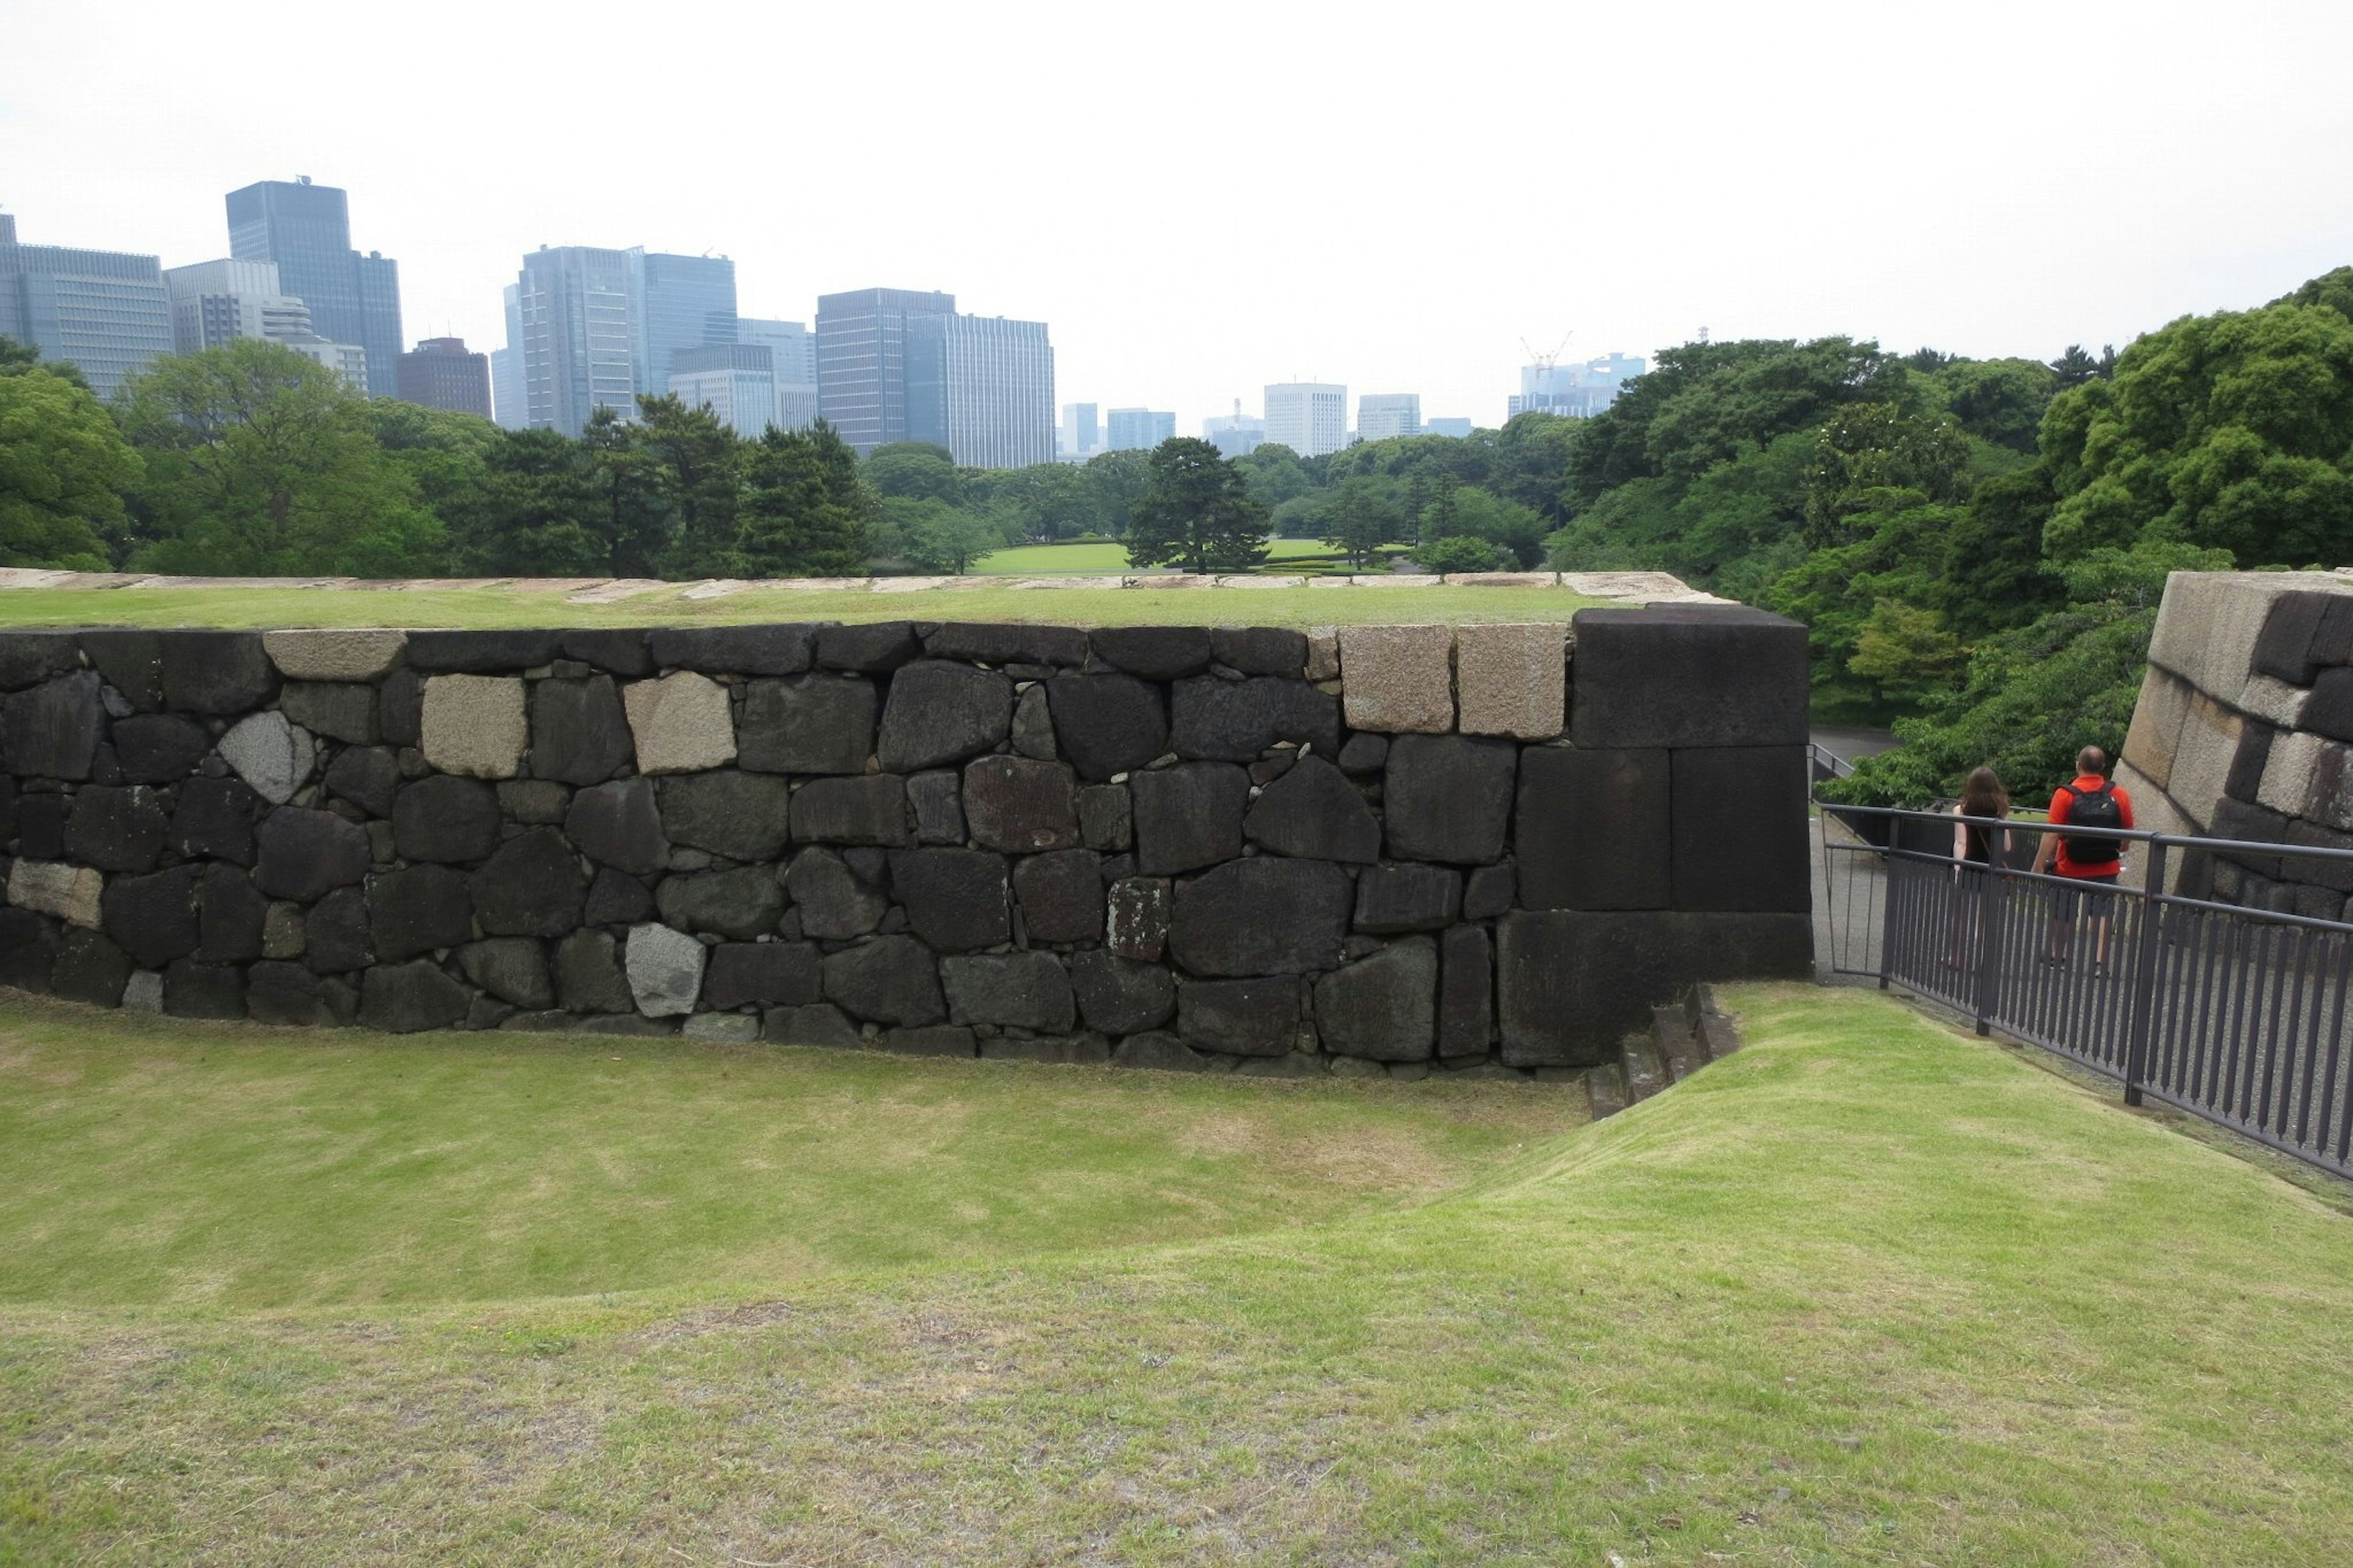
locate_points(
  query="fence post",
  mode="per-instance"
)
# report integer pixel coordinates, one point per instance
(1887, 914)
(2144, 999)
(1993, 902)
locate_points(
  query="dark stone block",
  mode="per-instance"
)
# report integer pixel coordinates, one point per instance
(1314, 811)
(214, 819)
(1408, 898)
(738, 815)
(1135, 916)
(933, 1040)
(400, 705)
(133, 662)
(1155, 653)
(1188, 815)
(41, 826)
(1466, 991)
(1107, 724)
(117, 829)
(404, 998)
(1262, 915)
(1488, 893)
(1691, 675)
(890, 980)
(1234, 720)
(1016, 990)
(1120, 997)
(535, 803)
(1160, 1051)
(871, 647)
(578, 733)
(1383, 1008)
(1740, 836)
(52, 731)
(1571, 983)
(588, 974)
(2332, 640)
(780, 974)
(620, 824)
(193, 990)
(511, 968)
(989, 642)
(815, 724)
(1238, 1017)
(616, 898)
(89, 968)
(615, 652)
(335, 933)
(445, 818)
(159, 748)
(1061, 1050)
(339, 710)
(956, 898)
(2334, 875)
(1021, 805)
(939, 712)
(732, 650)
(502, 652)
(29, 657)
(2329, 710)
(1366, 752)
(229, 915)
(1260, 650)
(28, 947)
(1060, 895)
(1593, 829)
(2283, 647)
(305, 853)
(938, 800)
(280, 992)
(9, 813)
(217, 672)
(834, 902)
(417, 909)
(817, 1023)
(871, 808)
(1106, 818)
(2247, 763)
(2239, 820)
(742, 903)
(1448, 797)
(532, 886)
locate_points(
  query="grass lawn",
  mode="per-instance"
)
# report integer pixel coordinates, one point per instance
(1105, 556)
(1870, 1291)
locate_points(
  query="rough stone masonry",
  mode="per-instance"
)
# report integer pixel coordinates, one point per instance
(1410, 849)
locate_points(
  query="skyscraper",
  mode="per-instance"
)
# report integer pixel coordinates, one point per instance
(105, 311)
(576, 310)
(861, 361)
(442, 374)
(981, 386)
(1139, 429)
(214, 301)
(737, 381)
(506, 365)
(1234, 434)
(306, 229)
(1311, 417)
(683, 303)
(792, 358)
(1577, 391)
(1381, 414)
(1081, 434)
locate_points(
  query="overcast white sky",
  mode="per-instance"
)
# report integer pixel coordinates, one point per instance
(1203, 198)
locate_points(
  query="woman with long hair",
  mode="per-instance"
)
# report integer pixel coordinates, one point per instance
(1977, 848)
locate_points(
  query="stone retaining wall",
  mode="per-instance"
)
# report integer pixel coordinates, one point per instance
(1423, 847)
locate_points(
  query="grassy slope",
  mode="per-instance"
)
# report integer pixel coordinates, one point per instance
(1868, 1292)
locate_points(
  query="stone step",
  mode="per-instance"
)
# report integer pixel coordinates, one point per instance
(1717, 1036)
(1678, 1043)
(1646, 1074)
(1605, 1086)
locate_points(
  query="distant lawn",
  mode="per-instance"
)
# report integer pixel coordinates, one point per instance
(1096, 557)
(1870, 1291)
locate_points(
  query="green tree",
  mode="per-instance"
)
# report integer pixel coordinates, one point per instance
(1867, 449)
(1198, 513)
(1906, 651)
(2074, 367)
(698, 463)
(1274, 475)
(1118, 481)
(942, 538)
(1460, 552)
(630, 518)
(915, 469)
(806, 508)
(444, 455)
(20, 359)
(1517, 532)
(536, 512)
(64, 470)
(1998, 400)
(1360, 516)
(1053, 500)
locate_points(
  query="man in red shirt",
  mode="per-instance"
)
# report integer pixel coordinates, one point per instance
(2090, 862)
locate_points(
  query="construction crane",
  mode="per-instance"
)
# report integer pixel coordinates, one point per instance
(1546, 362)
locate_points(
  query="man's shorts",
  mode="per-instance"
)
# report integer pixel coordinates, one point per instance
(2096, 892)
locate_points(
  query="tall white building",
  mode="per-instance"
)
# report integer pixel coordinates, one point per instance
(346, 360)
(1081, 435)
(1233, 435)
(1311, 417)
(506, 368)
(576, 309)
(1140, 429)
(1382, 415)
(214, 301)
(983, 387)
(792, 358)
(736, 380)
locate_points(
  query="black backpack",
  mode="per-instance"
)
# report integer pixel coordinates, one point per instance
(2093, 808)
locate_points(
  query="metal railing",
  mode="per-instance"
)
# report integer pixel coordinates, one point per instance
(2214, 977)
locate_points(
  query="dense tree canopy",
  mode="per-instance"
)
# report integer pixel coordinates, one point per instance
(64, 470)
(1197, 514)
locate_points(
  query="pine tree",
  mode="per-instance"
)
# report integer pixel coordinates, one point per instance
(1196, 512)
(805, 506)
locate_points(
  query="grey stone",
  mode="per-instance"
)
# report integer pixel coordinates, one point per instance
(52, 731)
(1160, 1051)
(938, 801)
(367, 776)
(41, 822)
(1260, 650)
(1488, 892)
(487, 1013)
(773, 974)
(741, 816)
(537, 802)
(1239, 1017)
(338, 709)
(1106, 818)
(272, 755)
(335, 933)
(834, 903)
(1015, 990)
(871, 808)
(616, 898)
(1400, 679)
(1382, 1008)
(1314, 811)
(475, 725)
(1262, 915)
(1155, 653)
(579, 733)
(1678, 676)
(956, 898)
(159, 748)
(619, 825)
(1448, 797)
(214, 818)
(282, 934)
(814, 724)
(1234, 720)
(940, 713)
(89, 968)
(71, 893)
(451, 820)
(131, 660)
(890, 980)
(615, 652)
(230, 915)
(588, 977)
(28, 946)
(144, 994)
(1593, 831)
(305, 854)
(742, 903)
(1106, 724)
(195, 990)
(512, 968)
(682, 724)
(1466, 990)
(1511, 679)
(400, 707)
(417, 909)
(817, 1023)
(1061, 1050)
(279, 993)
(26, 657)
(1060, 895)
(1188, 815)
(1135, 917)
(990, 642)
(336, 652)
(871, 647)
(732, 650)
(724, 1028)
(117, 829)
(1569, 983)
(532, 886)
(665, 969)
(217, 672)
(1019, 804)
(1120, 995)
(1033, 727)
(1408, 898)
(930, 1040)
(404, 998)
(500, 650)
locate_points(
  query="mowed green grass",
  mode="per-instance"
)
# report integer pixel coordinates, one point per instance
(1871, 1291)
(1111, 556)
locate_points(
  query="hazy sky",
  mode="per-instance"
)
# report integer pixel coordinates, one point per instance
(1203, 198)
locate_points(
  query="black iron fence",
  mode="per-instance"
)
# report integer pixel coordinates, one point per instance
(2166, 981)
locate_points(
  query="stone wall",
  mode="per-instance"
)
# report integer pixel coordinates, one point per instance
(1422, 847)
(2243, 729)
